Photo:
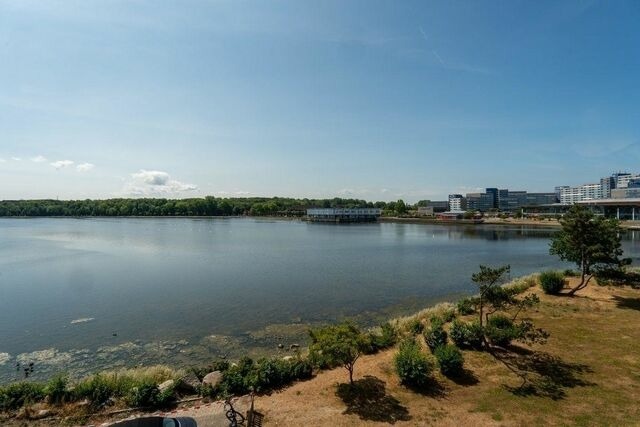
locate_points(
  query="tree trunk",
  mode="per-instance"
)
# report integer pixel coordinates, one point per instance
(350, 375)
(584, 281)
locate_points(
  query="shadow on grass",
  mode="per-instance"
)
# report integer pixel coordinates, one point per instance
(465, 378)
(542, 374)
(628, 303)
(368, 399)
(431, 388)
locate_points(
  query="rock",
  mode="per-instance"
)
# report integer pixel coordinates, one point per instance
(42, 413)
(212, 379)
(168, 384)
(189, 383)
(287, 358)
(280, 346)
(294, 346)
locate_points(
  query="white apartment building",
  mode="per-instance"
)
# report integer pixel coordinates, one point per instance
(570, 195)
(457, 203)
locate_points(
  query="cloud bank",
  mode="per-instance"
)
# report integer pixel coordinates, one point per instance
(146, 183)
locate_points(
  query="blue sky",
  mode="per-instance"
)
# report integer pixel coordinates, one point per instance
(367, 99)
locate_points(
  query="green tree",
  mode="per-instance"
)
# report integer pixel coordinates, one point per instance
(401, 207)
(337, 345)
(492, 295)
(591, 242)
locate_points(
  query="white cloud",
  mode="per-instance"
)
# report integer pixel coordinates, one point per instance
(2, 160)
(85, 167)
(62, 164)
(17, 159)
(151, 183)
(38, 159)
(151, 177)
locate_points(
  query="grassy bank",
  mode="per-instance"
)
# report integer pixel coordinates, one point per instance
(588, 373)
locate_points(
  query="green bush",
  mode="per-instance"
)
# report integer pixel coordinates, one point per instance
(97, 389)
(15, 395)
(56, 390)
(144, 395)
(449, 359)
(387, 338)
(416, 327)
(570, 273)
(552, 282)
(435, 336)
(261, 376)
(467, 335)
(237, 380)
(501, 330)
(412, 365)
(448, 315)
(466, 306)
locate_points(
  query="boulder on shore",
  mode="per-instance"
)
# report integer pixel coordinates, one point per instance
(212, 379)
(189, 383)
(163, 387)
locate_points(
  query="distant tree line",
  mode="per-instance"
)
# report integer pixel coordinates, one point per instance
(207, 206)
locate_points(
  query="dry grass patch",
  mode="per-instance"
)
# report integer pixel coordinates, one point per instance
(588, 373)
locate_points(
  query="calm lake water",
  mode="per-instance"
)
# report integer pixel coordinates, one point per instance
(81, 294)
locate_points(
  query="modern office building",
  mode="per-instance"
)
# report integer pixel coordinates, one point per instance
(457, 203)
(507, 201)
(626, 193)
(482, 202)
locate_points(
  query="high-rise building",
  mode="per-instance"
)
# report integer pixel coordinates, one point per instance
(495, 193)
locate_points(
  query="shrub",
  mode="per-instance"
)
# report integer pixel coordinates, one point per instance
(467, 335)
(97, 389)
(449, 359)
(412, 365)
(435, 336)
(237, 379)
(415, 327)
(521, 284)
(551, 282)
(262, 376)
(448, 315)
(385, 339)
(501, 330)
(56, 389)
(466, 306)
(16, 395)
(145, 395)
(570, 273)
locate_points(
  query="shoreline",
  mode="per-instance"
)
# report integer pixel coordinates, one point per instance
(629, 225)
